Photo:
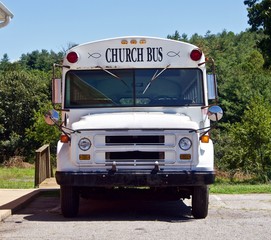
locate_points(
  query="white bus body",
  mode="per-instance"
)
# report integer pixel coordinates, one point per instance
(134, 114)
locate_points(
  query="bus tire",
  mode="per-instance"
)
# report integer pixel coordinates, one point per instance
(69, 197)
(200, 202)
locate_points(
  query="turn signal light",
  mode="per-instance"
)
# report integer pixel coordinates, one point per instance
(64, 138)
(72, 57)
(205, 138)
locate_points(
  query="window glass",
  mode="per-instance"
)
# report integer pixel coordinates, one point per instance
(133, 87)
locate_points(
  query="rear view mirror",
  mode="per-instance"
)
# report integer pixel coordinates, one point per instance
(215, 113)
(51, 117)
(212, 87)
(56, 91)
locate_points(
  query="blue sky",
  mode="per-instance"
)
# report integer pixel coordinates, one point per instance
(53, 24)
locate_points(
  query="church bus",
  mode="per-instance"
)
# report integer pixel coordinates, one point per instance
(135, 118)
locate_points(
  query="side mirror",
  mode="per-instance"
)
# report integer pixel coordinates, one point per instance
(212, 87)
(51, 117)
(215, 113)
(56, 90)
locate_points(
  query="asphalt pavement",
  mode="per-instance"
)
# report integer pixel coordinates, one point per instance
(12, 200)
(231, 216)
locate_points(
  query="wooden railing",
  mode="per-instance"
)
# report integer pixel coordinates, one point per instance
(43, 168)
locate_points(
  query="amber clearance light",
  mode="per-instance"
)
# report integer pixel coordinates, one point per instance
(64, 138)
(205, 139)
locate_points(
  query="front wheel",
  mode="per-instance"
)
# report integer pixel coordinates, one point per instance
(69, 197)
(200, 202)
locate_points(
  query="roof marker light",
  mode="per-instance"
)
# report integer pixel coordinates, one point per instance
(196, 54)
(72, 57)
(142, 41)
(124, 42)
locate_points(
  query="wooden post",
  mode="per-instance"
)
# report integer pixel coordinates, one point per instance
(43, 167)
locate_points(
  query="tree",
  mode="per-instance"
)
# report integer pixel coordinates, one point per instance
(41, 133)
(42, 61)
(248, 142)
(4, 63)
(5, 58)
(259, 14)
(178, 37)
(21, 93)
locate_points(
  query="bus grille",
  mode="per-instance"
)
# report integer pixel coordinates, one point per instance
(134, 140)
(135, 149)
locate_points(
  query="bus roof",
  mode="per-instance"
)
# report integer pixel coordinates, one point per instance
(5, 15)
(134, 52)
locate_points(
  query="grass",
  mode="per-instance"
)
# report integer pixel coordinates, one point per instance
(17, 178)
(239, 183)
(23, 178)
(239, 188)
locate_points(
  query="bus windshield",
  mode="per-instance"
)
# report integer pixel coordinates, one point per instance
(133, 88)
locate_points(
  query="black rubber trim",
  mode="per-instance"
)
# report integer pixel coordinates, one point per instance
(135, 179)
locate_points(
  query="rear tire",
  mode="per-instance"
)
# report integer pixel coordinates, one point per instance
(69, 197)
(200, 202)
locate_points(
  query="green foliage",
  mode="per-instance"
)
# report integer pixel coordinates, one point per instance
(246, 145)
(178, 37)
(41, 133)
(42, 61)
(259, 13)
(239, 69)
(21, 93)
(24, 91)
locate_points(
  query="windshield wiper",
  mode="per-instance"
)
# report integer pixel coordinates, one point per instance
(156, 75)
(112, 74)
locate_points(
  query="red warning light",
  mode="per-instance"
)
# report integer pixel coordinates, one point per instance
(196, 54)
(72, 57)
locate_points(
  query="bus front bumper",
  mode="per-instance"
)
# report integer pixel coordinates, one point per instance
(135, 179)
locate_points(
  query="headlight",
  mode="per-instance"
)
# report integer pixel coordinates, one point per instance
(84, 144)
(185, 143)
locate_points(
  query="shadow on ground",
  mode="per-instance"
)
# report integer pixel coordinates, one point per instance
(47, 208)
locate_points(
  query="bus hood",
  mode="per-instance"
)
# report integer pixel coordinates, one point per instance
(135, 120)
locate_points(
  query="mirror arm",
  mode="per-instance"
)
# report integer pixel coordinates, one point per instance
(207, 106)
(205, 132)
(56, 124)
(65, 133)
(210, 128)
(196, 130)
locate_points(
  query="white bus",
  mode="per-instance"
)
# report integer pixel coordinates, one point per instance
(135, 114)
